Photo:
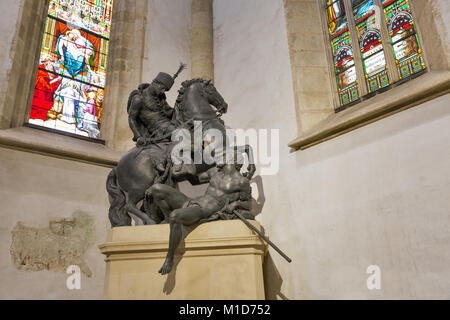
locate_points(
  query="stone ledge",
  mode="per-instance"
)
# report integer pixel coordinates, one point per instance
(216, 236)
(50, 144)
(416, 91)
(192, 248)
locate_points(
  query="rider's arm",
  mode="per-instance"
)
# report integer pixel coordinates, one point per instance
(167, 109)
(133, 115)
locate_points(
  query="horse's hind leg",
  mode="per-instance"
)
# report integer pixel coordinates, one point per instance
(131, 206)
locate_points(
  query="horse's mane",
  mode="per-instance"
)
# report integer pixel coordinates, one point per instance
(179, 103)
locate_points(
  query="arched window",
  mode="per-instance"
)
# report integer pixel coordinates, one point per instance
(70, 81)
(374, 45)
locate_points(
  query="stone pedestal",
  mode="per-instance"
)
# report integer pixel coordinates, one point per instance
(217, 260)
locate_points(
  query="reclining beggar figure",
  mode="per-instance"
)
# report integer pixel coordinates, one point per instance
(228, 191)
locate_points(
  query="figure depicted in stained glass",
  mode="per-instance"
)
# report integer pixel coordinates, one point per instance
(75, 52)
(70, 96)
(46, 84)
(90, 118)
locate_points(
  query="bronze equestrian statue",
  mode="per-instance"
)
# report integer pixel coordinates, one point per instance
(146, 173)
(152, 121)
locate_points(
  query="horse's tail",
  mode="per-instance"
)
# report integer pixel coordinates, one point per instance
(118, 215)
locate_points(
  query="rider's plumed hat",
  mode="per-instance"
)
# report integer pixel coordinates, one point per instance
(166, 79)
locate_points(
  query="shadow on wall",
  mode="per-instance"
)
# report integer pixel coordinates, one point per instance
(170, 283)
(272, 280)
(258, 204)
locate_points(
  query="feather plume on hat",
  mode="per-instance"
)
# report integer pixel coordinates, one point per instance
(180, 68)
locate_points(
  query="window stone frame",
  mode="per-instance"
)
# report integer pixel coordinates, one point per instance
(433, 83)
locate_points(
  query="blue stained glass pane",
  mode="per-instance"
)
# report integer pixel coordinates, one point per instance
(362, 9)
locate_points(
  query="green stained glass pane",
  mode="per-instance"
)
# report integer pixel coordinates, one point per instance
(369, 37)
(399, 20)
(405, 44)
(376, 73)
(345, 70)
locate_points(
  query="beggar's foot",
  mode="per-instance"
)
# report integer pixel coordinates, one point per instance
(167, 266)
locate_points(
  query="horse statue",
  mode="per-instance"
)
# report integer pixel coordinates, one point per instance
(136, 172)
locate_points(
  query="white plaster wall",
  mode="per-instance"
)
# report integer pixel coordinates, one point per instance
(377, 195)
(252, 72)
(167, 39)
(35, 189)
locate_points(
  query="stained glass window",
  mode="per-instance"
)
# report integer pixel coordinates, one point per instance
(344, 63)
(375, 29)
(369, 36)
(405, 42)
(70, 81)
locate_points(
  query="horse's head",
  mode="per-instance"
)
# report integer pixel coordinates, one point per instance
(214, 97)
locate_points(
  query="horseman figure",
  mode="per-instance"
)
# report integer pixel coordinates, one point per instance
(149, 114)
